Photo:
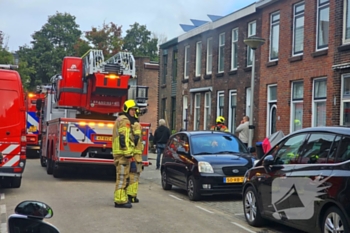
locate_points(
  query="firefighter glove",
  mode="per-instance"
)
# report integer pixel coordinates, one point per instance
(122, 141)
(136, 140)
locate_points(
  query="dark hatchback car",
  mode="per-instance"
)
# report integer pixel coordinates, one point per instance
(205, 163)
(302, 182)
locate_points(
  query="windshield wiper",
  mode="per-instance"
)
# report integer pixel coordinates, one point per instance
(227, 152)
(204, 153)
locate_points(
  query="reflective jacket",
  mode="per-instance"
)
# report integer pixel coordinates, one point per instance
(220, 127)
(122, 137)
(137, 130)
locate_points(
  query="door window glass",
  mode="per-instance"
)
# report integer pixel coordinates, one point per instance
(344, 150)
(287, 152)
(317, 148)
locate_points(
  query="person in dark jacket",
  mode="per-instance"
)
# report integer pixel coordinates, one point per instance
(161, 137)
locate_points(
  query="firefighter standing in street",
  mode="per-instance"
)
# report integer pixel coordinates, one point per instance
(136, 164)
(220, 124)
(123, 148)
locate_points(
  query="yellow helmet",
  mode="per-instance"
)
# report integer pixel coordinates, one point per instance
(128, 105)
(220, 119)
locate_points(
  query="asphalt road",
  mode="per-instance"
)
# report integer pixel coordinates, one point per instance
(83, 202)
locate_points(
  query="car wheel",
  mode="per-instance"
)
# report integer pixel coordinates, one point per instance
(192, 189)
(165, 184)
(49, 166)
(42, 161)
(251, 209)
(334, 221)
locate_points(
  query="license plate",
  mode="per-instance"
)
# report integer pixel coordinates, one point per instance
(103, 138)
(233, 179)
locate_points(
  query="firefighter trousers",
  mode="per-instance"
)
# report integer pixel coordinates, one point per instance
(135, 177)
(123, 175)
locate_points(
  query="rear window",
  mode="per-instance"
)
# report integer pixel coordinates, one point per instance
(9, 108)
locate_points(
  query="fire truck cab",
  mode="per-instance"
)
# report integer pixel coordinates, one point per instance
(12, 128)
(80, 108)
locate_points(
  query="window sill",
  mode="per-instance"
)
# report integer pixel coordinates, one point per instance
(320, 53)
(248, 69)
(163, 86)
(272, 63)
(208, 76)
(196, 79)
(219, 75)
(344, 47)
(296, 58)
(232, 72)
(184, 80)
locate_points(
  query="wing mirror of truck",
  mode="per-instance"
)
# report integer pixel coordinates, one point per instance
(39, 104)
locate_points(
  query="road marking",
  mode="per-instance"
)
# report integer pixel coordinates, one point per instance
(3, 228)
(239, 214)
(3, 225)
(204, 209)
(243, 227)
(2, 196)
(176, 197)
(2, 209)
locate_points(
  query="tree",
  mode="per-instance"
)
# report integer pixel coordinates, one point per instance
(108, 38)
(51, 44)
(81, 47)
(138, 41)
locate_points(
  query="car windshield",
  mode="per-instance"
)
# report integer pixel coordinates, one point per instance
(216, 144)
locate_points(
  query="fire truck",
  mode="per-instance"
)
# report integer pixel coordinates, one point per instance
(33, 129)
(80, 109)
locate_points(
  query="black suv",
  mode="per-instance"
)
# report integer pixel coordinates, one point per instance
(302, 182)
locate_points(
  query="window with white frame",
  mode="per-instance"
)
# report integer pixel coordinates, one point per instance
(220, 104)
(187, 62)
(272, 109)
(247, 103)
(234, 51)
(197, 111)
(232, 111)
(345, 100)
(251, 32)
(322, 24)
(184, 112)
(297, 105)
(207, 108)
(346, 23)
(319, 102)
(275, 35)
(221, 59)
(198, 58)
(209, 55)
(298, 29)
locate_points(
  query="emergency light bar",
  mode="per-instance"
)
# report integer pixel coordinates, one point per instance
(8, 67)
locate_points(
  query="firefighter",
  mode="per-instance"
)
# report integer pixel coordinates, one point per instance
(220, 124)
(136, 164)
(123, 148)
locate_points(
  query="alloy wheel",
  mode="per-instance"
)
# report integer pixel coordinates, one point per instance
(250, 206)
(333, 223)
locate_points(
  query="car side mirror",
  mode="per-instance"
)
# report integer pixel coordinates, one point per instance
(251, 149)
(267, 162)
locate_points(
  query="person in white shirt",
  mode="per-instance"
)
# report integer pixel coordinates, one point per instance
(243, 130)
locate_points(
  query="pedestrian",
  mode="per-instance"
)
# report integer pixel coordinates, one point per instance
(243, 130)
(136, 163)
(161, 137)
(123, 148)
(220, 125)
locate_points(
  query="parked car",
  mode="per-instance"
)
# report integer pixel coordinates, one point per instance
(303, 182)
(205, 163)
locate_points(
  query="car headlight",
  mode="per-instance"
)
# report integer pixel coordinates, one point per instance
(205, 167)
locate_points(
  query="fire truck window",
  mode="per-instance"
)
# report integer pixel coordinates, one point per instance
(10, 107)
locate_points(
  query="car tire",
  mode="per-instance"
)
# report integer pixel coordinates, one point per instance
(42, 161)
(329, 218)
(57, 171)
(49, 166)
(193, 189)
(165, 184)
(251, 209)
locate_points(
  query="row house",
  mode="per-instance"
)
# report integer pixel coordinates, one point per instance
(302, 71)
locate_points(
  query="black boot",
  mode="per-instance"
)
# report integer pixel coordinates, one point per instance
(125, 205)
(133, 199)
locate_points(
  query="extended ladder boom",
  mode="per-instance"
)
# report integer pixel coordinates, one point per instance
(122, 63)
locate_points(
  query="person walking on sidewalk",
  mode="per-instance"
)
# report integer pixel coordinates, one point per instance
(161, 137)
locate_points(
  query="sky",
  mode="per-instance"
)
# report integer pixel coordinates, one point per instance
(19, 19)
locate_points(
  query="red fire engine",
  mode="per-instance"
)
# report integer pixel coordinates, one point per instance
(80, 108)
(33, 126)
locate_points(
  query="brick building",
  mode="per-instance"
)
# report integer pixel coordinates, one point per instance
(147, 75)
(302, 76)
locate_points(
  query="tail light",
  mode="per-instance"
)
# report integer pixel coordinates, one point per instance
(23, 145)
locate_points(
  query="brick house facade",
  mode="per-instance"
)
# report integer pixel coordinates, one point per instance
(147, 75)
(302, 76)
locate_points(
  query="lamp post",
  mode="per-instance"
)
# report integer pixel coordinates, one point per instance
(253, 42)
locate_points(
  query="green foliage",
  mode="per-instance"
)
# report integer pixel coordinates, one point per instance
(138, 41)
(108, 38)
(81, 47)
